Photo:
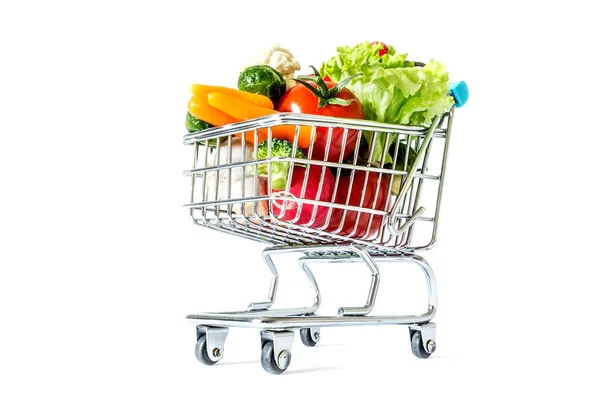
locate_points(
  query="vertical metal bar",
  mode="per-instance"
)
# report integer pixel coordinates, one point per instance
(243, 188)
(256, 179)
(229, 183)
(347, 200)
(379, 177)
(194, 177)
(299, 205)
(441, 182)
(417, 194)
(204, 181)
(218, 171)
(338, 174)
(406, 184)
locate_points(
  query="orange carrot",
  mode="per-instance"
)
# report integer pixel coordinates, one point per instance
(199, 108)
(256, 99)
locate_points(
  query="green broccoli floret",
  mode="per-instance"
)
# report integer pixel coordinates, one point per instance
(279, 170)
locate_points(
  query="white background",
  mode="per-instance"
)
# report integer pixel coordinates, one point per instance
(100, 264)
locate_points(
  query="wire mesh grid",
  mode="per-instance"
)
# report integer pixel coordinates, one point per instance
(387, 204)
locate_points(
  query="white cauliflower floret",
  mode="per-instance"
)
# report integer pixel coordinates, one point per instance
(233, 183)
(280, 59)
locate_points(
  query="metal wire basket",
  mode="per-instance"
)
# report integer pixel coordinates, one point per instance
(228, 195)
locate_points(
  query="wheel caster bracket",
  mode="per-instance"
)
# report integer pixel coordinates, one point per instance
(427, 332)
(282, 346)
(310, 336)
(215, 340)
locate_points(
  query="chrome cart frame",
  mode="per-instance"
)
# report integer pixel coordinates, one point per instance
(227, 196)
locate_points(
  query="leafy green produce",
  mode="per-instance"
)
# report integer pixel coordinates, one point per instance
(404, 159)
(279, 170)
(404, 162)
(194, 124)
(390, 88)
(263, 79)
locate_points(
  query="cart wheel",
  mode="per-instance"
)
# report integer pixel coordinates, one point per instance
(201, 352)
(310, 336)
(269, 362)
(418, 347)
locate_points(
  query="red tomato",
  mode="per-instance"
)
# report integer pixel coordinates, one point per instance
(374, 198)
(299, 99)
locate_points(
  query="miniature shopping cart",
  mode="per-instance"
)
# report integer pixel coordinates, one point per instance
(228, 195)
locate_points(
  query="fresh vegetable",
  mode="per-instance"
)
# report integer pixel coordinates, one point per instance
(325, 78)
(194, 124)
(404, 162)
(304, 212)
(313, 178)
(241, 110)
(279, 170)
(281, 59)
(227, 106)
(199, 108)
(257, 99)
(313, 95)
(390, 88)
(234, 183)
(238, 109)
(383, 48)
(264, 80)
(350, 192)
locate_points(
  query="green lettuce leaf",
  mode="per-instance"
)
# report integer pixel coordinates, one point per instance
(390, 88)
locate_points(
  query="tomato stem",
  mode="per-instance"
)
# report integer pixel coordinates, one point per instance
(325, 94)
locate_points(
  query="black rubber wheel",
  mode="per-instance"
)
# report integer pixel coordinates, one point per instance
(307, 338)
(267, 359)
(417, 345)
(201, 352)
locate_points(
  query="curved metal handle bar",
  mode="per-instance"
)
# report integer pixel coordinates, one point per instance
(406, 183)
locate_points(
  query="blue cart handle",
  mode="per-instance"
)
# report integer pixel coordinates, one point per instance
(460, 91)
